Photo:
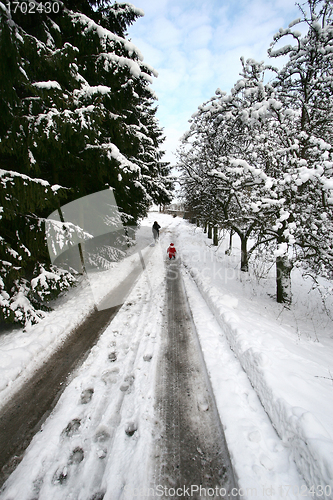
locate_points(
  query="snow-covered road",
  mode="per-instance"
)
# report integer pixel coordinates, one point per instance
(97, 441)
(192, 451)
(23, 415)
(100, 440)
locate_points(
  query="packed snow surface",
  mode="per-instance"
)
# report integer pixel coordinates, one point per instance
(270, 369)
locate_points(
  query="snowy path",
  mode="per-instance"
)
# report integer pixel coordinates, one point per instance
(23, 415)
(96, 443)
(192, 449)
(102, 438)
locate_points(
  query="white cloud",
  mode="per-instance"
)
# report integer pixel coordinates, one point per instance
(199, 36)
(151, 7)
(170, 80)
(151, 54)
(202, 67)
(171, 143)
(165, 33)
(196, 46)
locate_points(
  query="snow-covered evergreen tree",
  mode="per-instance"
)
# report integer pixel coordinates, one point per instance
(24, 195)
(77, 111)
(21, 240)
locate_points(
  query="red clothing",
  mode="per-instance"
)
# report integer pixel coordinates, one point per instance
(171, 251)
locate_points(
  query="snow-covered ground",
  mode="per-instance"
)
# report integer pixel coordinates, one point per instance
(267, 364)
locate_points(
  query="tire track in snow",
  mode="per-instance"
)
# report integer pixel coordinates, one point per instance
(263, 462)
(95, 443)
(191, 449)
(24, 414)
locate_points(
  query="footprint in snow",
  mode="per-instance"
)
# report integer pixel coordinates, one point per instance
(102, 435)
(131, 428)
(60, 475)
(128, 381)
(112, 356)
(77, 456)
(98, 496)
(37, 484)
(102, 452)
(254, 436)
(86, 396)
(124, 387)
(72, 427)
(203, 405)
(110, 376)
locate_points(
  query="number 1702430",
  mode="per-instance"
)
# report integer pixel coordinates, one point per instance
(33, 7)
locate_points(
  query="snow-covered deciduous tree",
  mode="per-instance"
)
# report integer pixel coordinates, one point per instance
(305, 87)
(267, 149)
(223, 140)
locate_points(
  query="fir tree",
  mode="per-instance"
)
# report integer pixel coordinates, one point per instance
(78, 112)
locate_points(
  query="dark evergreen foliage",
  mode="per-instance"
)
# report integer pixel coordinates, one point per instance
(77, 112)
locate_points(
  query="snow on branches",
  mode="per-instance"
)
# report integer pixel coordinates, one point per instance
(77, 115)
(259, 160)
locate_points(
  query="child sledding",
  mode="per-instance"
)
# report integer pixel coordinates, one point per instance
(171, 251)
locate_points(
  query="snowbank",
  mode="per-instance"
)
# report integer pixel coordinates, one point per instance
(99, 436)
(22, 352)
(290, 377)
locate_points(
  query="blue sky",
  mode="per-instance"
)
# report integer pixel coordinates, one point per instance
(196, 45)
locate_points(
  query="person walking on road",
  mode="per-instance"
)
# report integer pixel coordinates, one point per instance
(171, 251)
(156, 230)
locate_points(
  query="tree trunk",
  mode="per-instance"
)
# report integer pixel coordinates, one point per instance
(216, 239)
(84, 271)
(230, 241)
(244, 255)
(283, 279)
(209, 230)
(229, 250)
(205, 228)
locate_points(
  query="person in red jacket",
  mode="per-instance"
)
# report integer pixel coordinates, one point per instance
(171, 251)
